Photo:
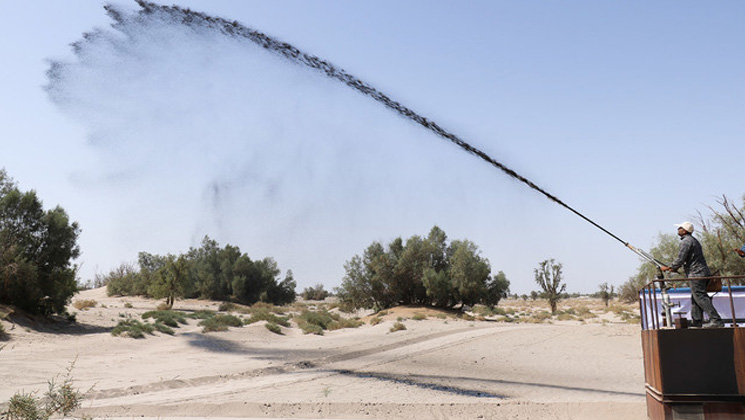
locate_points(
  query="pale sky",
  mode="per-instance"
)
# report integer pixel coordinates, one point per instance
(630, 112)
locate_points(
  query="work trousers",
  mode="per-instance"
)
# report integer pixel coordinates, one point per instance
(701, 302)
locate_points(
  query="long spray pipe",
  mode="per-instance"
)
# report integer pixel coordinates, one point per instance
(190, 17)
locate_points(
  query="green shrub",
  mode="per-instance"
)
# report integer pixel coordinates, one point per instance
(24, 406)
(276, 329)
(340, 323)
(59, 399)
(315, 293)
(269, 317)
(309, 328)
(376, 320)
(132, 328)
(419, 317)
(220, 323)
(167, 317)
(201, 314)
(161, 328)
(398, 326)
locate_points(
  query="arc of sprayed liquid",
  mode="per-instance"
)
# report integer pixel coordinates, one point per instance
(192, 18)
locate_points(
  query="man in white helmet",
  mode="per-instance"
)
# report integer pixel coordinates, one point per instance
(691, 258)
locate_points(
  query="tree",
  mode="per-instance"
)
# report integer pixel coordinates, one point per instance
(170, 280)
(317, 292)
(605, 293)
(121, 281)
(469, 272)
(421, 271)
(37, 248)
(497, 288)
(723, 233)
(548, 276)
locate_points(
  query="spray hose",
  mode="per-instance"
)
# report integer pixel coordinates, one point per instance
(291, 53)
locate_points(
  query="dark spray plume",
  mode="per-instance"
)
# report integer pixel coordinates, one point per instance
(233, 28)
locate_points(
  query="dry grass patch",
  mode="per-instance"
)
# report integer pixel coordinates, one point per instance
(398, 326)
(84, 305)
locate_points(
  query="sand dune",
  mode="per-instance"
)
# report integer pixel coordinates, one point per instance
(435, 369)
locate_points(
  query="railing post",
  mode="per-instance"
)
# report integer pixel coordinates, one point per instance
(731, 303)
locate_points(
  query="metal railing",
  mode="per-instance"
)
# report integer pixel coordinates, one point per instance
(655, 305)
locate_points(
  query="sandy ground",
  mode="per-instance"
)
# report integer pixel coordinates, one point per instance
(434, 369)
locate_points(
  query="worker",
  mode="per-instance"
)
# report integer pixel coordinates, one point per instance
(691, 258)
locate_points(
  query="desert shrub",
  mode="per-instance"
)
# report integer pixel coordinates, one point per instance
(315, 322)
(398, 326)
(538, 317)
(315, 293)
(269, 317)
(201, 314)
(339, 323)
(466, 317)
(309, 328)
(164, 306)
(167, 317)
(419, 317)
(132, 328)
(220, 323)
(165, 329)
(60, 399)
(24, 406)
(83, 305)
(320, 318)
(228, 307)
(128, 305)
(625, 313)
(124, 280)
(376, 320)
(566, 316)
(276, 329)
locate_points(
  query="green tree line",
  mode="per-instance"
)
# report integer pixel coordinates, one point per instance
(421, 271)
(37, 248)
(208, 272)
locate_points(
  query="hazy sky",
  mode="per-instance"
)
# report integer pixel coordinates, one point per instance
(630, 112)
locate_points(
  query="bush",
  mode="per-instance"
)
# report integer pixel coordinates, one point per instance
(220, 323)
(168, 317)
(25, 406)
(201, 314)
(132, 328)
(315, 293)
(124, 280)
(269, 317)
(398, 326)
(163, 328)
(83, 305)
(59, 399)
(276, 329)
(419, 317)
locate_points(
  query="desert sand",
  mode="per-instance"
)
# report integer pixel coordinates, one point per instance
(434, 369)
